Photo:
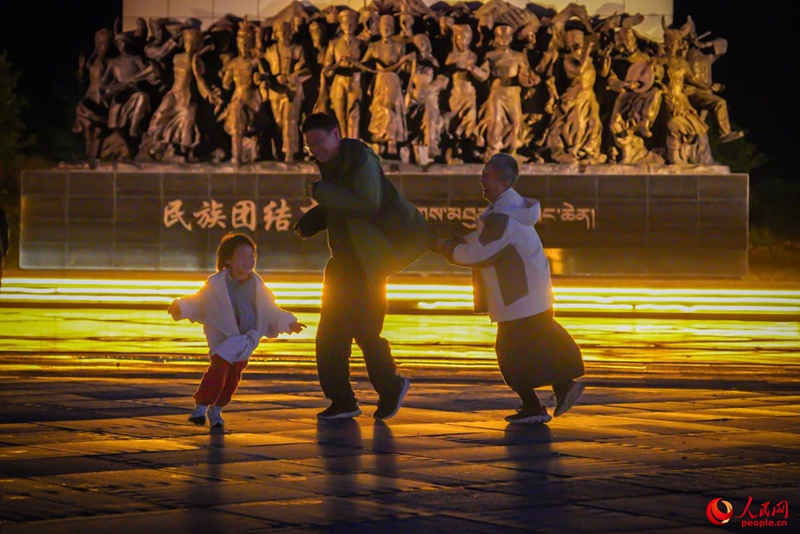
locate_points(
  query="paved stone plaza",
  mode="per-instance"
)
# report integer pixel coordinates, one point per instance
(85, 451)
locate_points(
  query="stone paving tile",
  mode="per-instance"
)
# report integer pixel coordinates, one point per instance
(717, 479)
(254, 471)
(44, 435)
(28, 452)
(190, 520)
(459, 499)
(568, 467)
(551, 491)
(317, 511)
(689, 508)
(386, 464)
(133, 479)
(489, 453)
(54, 465)
(574, 519)
(761, 494)
(211, 494)
(438, 524)
(120, 445)
(467, 474)
(24, 500)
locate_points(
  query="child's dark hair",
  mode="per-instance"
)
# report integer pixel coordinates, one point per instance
(228, 244)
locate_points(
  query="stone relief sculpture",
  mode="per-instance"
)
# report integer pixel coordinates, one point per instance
(245, 101)
(476, 79)
(462, 117)
(174, 130)
(501, 115)
(687, 134)
(92, 112)
(128, 103)
(575, 132)
(287, 73)
(387, 110)
(342, 64)
(422, 102)
(630, 73)
(703, 93)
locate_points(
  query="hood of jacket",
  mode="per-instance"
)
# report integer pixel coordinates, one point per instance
(526, 211)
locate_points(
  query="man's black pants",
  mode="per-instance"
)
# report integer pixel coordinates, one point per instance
(353, 308)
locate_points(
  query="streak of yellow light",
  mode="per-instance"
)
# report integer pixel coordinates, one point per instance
(423, 296)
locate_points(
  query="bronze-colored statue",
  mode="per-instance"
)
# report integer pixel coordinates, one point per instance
(387, 124)
(174, 129)
(630, 73)
(576, 131)
(341, 63)
(703, 93)
(240, 115)
(501, 114)
(462, 119)
(422, 102)
(129, 105)
(317, 88)
(287, 73)
(92, 111)
(687, 134)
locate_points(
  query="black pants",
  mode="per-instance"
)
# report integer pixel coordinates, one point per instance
(536, 351)
(353, 308)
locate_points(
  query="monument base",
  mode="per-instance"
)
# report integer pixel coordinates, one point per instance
(612, 220)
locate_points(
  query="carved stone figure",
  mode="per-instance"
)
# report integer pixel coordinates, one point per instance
(316, 89)
(92, 111)
(129, 105)
(687, 134)
(630, 74)
(174, 130)
(501, 115)
(341, 63)
(287, 73)
(703, 93)
(240, 115)
(387, 125)
(422, 102)
(462, 119)
(576, 131)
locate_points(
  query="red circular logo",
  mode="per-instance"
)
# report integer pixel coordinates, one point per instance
(716, 515)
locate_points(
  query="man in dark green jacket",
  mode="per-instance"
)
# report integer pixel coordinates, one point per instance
(372, 232)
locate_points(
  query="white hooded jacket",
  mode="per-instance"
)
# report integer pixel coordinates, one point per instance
(211, 306)
(512, 273)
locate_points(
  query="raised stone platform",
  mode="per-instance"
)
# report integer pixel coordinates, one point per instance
(595, 221)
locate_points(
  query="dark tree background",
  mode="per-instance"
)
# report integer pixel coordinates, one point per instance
(43, 39)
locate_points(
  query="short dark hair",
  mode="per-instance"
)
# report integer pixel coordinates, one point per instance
(319, 121)
(506, 165)
(228, 245)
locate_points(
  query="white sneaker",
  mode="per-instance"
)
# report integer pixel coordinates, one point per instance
(570, 398)
(198, 415)
(215, 417)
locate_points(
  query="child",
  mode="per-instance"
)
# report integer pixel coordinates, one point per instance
(236, 310)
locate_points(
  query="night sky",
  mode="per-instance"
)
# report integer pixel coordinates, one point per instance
(758, 70)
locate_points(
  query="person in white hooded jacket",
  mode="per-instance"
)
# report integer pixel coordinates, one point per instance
(511, 280)
(236, 310)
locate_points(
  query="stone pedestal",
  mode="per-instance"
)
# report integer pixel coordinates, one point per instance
(596, 221)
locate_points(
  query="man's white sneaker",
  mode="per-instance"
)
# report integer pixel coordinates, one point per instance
(215, 417)
(198, 415)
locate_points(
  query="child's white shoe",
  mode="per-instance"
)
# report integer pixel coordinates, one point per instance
(215, 417)
(198, 415)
